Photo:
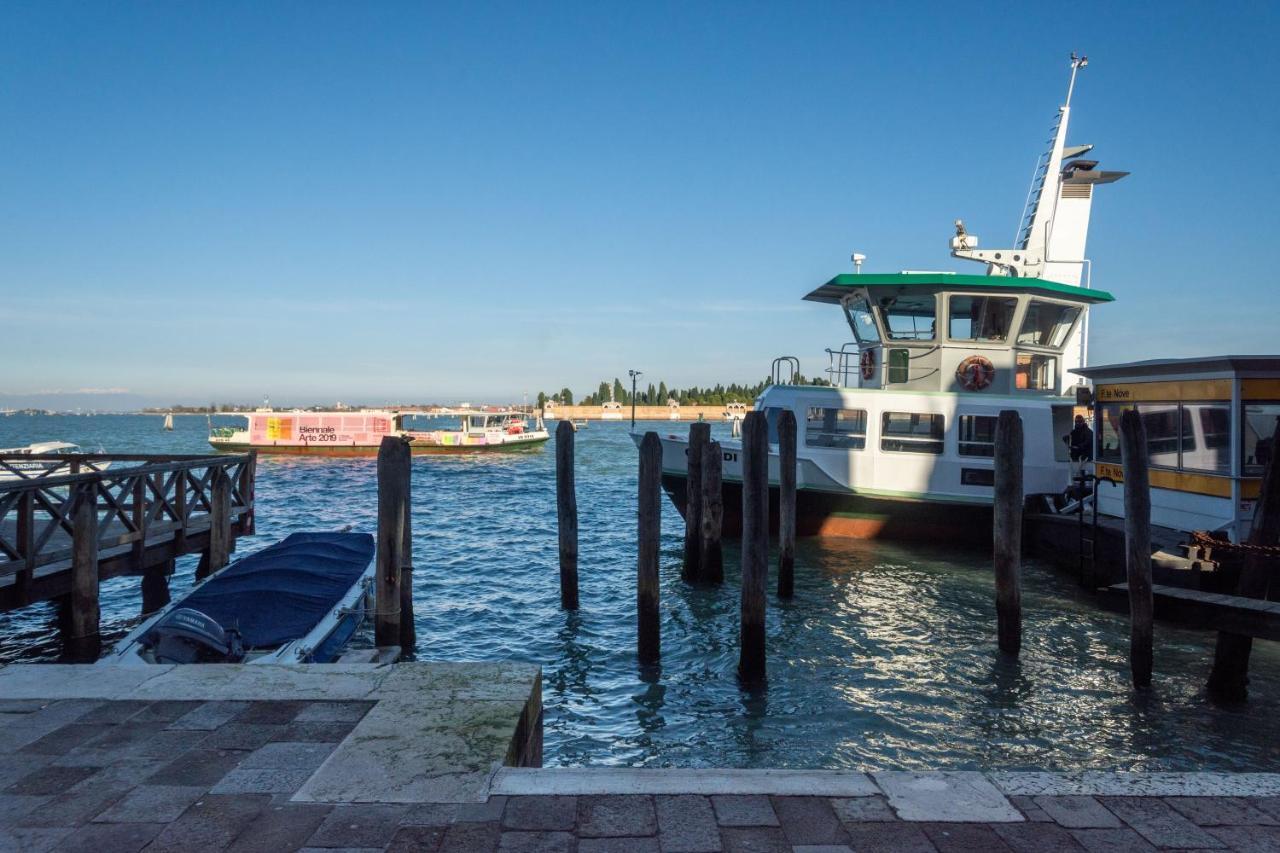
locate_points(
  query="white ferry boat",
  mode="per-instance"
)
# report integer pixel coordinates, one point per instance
(611, 410)
(479, 432)
(45, 460)
(901, 443)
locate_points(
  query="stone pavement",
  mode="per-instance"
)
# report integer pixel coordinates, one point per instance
(409, 758)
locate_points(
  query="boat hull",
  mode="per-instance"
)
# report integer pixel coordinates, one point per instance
(854, 516)
(372, 449)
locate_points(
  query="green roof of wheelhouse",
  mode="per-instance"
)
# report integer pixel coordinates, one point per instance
(839, 286)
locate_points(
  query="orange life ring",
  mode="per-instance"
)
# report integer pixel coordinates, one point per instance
(975, 373)
(868, 363)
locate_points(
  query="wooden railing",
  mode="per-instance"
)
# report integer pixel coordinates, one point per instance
(140, 515)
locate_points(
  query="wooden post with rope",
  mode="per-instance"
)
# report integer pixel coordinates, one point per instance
(1229, 679)
(1137, 543)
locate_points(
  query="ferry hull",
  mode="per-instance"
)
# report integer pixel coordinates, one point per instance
(372, 449)
(854, 516)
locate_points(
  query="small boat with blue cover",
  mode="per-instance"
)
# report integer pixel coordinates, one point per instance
(297, 601)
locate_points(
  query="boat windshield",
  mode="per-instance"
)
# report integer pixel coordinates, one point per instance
(909, 317)
(861, 320)
(1047, 323)
(980, 318)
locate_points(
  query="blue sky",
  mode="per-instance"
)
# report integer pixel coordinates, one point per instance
(389, 201)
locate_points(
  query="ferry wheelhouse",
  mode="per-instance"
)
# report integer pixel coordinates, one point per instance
(901, 443)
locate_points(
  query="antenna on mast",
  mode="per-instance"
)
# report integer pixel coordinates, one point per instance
(1077, 62)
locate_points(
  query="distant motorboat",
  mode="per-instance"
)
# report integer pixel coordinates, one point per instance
(27, 469)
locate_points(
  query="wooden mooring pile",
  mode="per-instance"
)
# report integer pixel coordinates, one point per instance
(1238, 619)
(91, 517)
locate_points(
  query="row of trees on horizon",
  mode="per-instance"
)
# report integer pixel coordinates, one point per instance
(660, 394)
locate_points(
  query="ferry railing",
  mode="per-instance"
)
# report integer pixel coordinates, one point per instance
(838, 365)
(790, 363)
(159, 502)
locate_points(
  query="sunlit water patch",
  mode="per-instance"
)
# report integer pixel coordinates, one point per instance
(885, 657)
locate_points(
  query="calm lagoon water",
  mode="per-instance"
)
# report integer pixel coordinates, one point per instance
(885, 658)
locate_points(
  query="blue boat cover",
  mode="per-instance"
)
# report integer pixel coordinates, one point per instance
(280, 593)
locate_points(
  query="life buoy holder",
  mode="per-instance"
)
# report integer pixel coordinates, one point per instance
(975, 373)
(867, 362)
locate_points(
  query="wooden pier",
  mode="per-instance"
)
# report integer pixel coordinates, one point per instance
(99, 516)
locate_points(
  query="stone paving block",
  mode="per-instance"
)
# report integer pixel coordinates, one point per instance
(607, 816)
(472, 838)
(1249, 839)
(333, 712)
(113, 837)
(209, 715)
(198, 767)
(1031, 811)
(754, 839)
(33, 839)
(1159, 824)
(16, 806)
(362, 825)
(536, 842)
(1111, 841)
(1221, 811)
(858, 809)
(687, 824)
(211, 823)
(431, 814)
(50, 780)
(285, 755)
(964, 838)
(1078, 812)
(15, 765)
(889, 838)
(242, 736)
(1037, 837)
(276, 713)
(280, 827)
(618, 845)
(416, 839)
(63, 740)
(809, 820)
(490, 810)
(821, 848)
(80, 803)
(136, 740)
(150, 803)
(113, 712)
(543, 814)
(247, 780)
(948, 796)
(21, 706)
(315, 732)
(1270, 805)
(165, 711)
(744, 810)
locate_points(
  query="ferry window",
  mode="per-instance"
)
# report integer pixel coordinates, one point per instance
(1047, 324)
(909, 317)
(1035, 372)
(907, 432)
(861, 320)
(1259, 428)
(844, 428)
(980, 318)
(977, 435)
(1108, 432)
(1160, 421)
(1206, 437)
(899, 366)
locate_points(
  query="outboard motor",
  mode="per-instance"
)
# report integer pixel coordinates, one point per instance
(189, 636)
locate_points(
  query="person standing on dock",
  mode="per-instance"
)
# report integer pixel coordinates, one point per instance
(1080, 443)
